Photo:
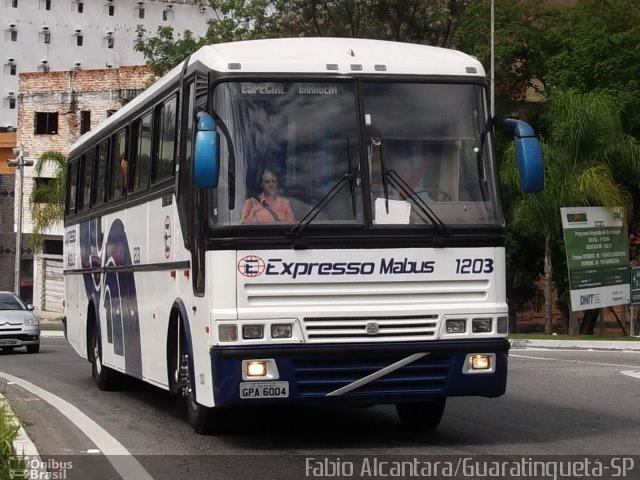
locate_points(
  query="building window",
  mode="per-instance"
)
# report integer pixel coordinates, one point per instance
(40, 184)
(46, 123)
(80, 7)
(12, 103)
(47, 4)
(141, 13)
(165, 15)
(46, 37)
(14, 3)
(12, 69)
(14, 35)
(110, 42)
(85, 121)
(112, 10)
(79, 40)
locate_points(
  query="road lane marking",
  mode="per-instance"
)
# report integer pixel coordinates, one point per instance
(120, 458)
(631, 373)
(582, 362)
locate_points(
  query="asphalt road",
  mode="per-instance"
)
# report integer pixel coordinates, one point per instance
(557, 403)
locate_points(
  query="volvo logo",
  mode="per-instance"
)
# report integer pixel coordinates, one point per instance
(373, 328)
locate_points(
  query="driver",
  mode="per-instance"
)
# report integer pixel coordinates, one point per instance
(269, 206)
(403, 166)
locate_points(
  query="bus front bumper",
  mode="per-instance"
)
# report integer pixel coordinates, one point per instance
(360, 373)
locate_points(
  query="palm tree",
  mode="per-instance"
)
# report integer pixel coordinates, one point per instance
(585, 151)
(47, 199)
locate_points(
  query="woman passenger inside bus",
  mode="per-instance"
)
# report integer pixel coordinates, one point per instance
(268, 206)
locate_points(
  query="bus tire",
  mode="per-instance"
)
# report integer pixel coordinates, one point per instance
(207, 420)
(425, 415)
(106, 378)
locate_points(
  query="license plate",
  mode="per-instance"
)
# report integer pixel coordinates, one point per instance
(264, 389)
(8, 342)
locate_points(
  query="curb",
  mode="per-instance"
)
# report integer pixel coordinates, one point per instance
(578, 344)
(51, 333)
(22, 444)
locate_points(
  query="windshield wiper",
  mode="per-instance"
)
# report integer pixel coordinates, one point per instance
(297, 230)
(398, 182)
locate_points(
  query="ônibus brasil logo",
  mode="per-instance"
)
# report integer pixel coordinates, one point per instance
(251, 266)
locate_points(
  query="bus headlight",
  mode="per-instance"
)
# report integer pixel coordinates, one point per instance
(260, 369)
(256, 369)
(481, 325)
(252, 332)
(281, 330)
(479, 363)
(228, 333)
(456, 325)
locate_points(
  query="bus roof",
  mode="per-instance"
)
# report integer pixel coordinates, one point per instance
(331, 56)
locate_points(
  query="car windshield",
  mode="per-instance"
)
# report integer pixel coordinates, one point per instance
(9, 301)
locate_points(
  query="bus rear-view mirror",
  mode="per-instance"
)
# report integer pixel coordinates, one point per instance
(206, 153)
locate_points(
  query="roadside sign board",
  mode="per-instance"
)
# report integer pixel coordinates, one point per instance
(597, 246)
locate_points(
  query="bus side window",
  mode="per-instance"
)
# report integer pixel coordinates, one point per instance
(119, 165)
(87, 177)
(167, 140)
(72, 183)
(142, 168)
(101, 172)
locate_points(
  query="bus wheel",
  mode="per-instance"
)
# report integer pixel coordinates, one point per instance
(105, 378)
(203, 420)
(207, 420)
(424, 415)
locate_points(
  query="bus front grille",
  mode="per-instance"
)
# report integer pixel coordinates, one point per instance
(317, 378)
(370, 329)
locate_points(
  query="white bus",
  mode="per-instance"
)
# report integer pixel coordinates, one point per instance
(296, 221)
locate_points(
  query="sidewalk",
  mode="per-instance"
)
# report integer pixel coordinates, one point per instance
(578, 344)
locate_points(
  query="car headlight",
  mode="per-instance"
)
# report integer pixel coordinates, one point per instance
(31, 322)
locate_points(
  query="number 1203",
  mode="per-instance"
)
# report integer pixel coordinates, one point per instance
(474, 265)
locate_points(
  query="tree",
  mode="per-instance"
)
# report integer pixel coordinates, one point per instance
(47, 199)
(585, 145)
(525, 34)
(415, 21)
(598, 51)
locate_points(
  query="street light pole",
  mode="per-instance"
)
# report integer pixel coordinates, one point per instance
(493, 59)
(19, 162)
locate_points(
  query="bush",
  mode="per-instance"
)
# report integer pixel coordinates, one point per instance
(8, 430)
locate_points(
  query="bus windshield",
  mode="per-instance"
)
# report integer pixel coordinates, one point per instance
(295, 143)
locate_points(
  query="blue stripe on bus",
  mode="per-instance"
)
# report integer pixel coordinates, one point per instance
(121, 303)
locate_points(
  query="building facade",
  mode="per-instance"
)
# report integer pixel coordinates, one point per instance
(54, 109)
(50, 35)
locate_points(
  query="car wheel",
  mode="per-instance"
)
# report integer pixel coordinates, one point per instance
(424, 415)
(33, 348)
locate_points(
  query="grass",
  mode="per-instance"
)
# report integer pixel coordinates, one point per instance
(51, 326)
(546, 336)
(8, 431)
